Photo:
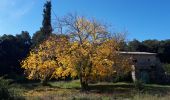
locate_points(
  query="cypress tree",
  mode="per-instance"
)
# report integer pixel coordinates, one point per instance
(46, 29)
(46, 24)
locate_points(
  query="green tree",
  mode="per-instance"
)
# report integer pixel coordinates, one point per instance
(151, 45)
(46, 29)
(12, 50)
(164, 51)
(24, 37)
(89, 53)
(46, 24)
(136, 45)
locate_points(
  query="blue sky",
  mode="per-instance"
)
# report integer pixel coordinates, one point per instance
(141, 19)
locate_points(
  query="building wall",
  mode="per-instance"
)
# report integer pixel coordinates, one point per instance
(146, 67)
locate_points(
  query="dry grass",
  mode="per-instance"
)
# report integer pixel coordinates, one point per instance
(100, 91)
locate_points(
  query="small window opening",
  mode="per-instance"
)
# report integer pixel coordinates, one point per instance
(135, 60)
(149, 60)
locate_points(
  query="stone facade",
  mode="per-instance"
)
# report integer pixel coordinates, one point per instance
(146, 67)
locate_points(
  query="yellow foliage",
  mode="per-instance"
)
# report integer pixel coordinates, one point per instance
(92, 54)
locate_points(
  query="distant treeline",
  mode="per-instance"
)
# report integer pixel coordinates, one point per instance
(161, 47)
(13, 49)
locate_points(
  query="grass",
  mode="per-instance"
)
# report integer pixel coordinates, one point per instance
(67, 84)
(70, 90)
(150, 97)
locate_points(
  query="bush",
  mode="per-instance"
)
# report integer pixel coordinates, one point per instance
(4, 92)
(123, 78)
(167, 68)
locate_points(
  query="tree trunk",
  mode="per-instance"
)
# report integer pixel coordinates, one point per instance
(44, 82)
(84, 84)
(83, 80)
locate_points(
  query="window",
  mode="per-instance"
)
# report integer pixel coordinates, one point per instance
(135, 60)
(149, 60)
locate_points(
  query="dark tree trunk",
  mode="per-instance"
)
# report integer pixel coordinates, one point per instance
(44, 82)
(84, 84)
(83, 80)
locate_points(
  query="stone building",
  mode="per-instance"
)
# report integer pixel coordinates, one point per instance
(146, 67)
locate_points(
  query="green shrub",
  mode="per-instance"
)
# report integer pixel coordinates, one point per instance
(4, 92)
(167, 68)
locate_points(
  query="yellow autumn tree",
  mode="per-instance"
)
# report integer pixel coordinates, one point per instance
(89, 53)
(94, 50)
(43, 61)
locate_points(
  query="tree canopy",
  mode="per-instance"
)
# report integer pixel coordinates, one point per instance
(12, 50)
(89, 53)
(46, 29)
(161, 47)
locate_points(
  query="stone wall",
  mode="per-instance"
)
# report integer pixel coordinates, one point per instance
(146, 67)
